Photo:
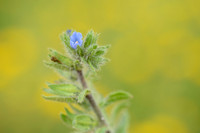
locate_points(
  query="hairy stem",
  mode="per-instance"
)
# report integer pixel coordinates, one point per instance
(92, 101)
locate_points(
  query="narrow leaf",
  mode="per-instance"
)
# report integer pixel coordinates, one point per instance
(69, 114)
(49, 91)
(104, 47)
(122, 126)
(117, 111)
(79, 51)
(63, 59)
(66, 41)
(83, 122)
(64, 89)
(99, 52)
(60, 99)
(82, 95)
(91, 66)
(101, 130)
(89, 50)
(115, 97)
(75, 109)
(65, 119)
(90, 39)
(57, 66)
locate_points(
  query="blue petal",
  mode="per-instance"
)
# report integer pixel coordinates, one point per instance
(73, 37)
(76, 36)
(80, 42)
(72, 44)
(79, 35)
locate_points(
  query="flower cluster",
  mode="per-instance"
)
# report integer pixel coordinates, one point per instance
(85, 114)
(85, 50)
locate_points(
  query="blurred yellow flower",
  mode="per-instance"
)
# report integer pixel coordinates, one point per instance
(160, 124)
(18, 53)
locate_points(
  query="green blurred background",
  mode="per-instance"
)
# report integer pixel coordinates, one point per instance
(155, 55)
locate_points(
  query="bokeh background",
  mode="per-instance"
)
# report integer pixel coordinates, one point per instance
(155, 55)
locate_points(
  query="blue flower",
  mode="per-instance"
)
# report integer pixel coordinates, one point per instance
(68, 32)
(76, 39)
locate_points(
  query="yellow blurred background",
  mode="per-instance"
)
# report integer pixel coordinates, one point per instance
(155, 55)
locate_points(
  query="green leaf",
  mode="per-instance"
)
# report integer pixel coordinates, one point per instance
(97, 62)
(63, 59)
(115, 97)
(83, 122)
(104, 47)
(49, 91)
(116, 111)
(82, 95)
(94, 62)
(90, 39)
(95, 46)
(75, 109)
(65, 119)
(69, 114)
(122, 126)
(90, 49)
(63, 89)
(79, 51)
(57, 66)
(66, 41)
(101, 130)
(91, 66)
(68, 117)
(60, 99)
(99, 52)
